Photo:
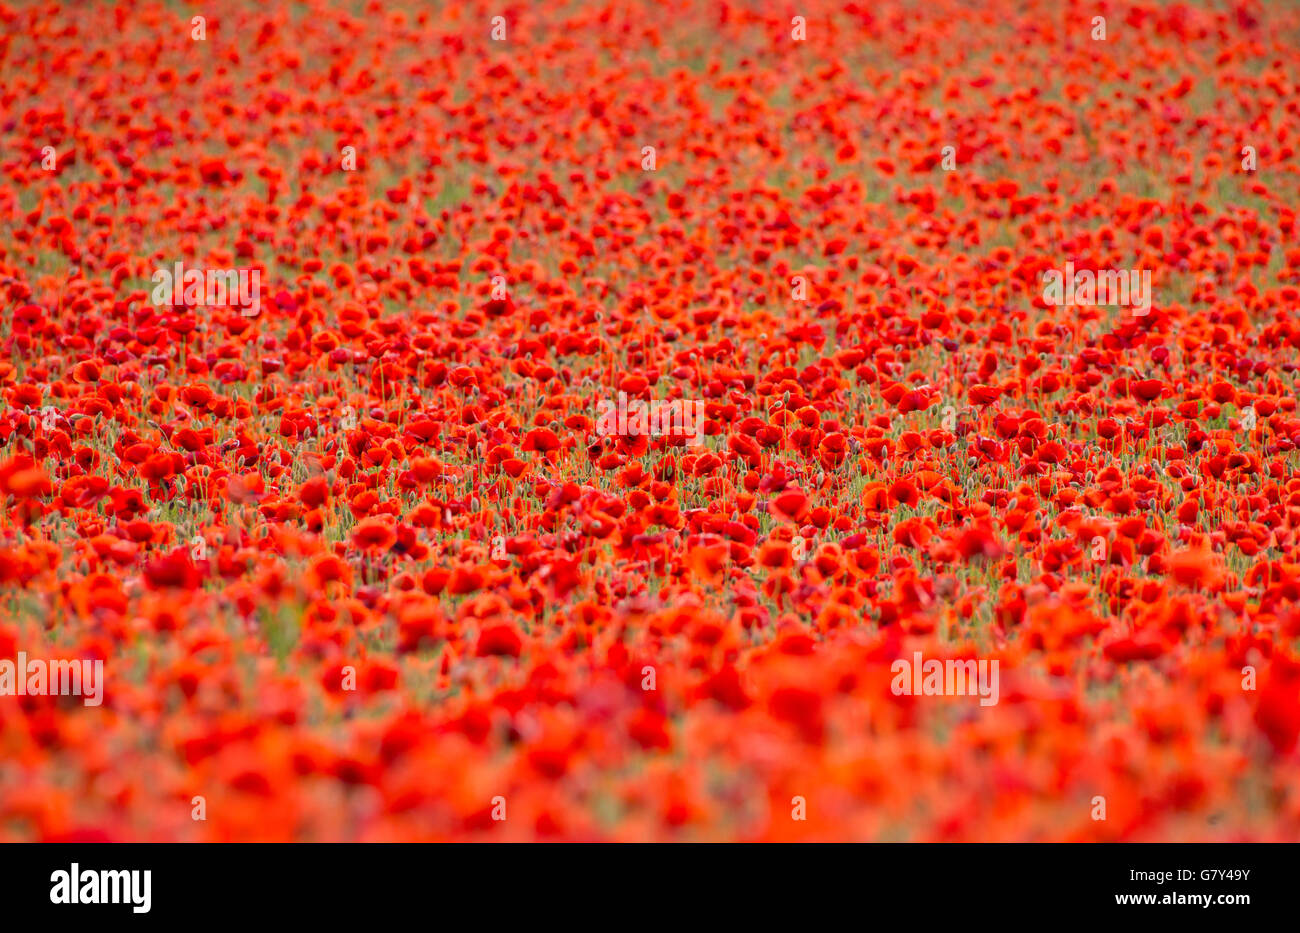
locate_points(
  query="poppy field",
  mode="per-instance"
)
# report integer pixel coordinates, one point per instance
(734, 421)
